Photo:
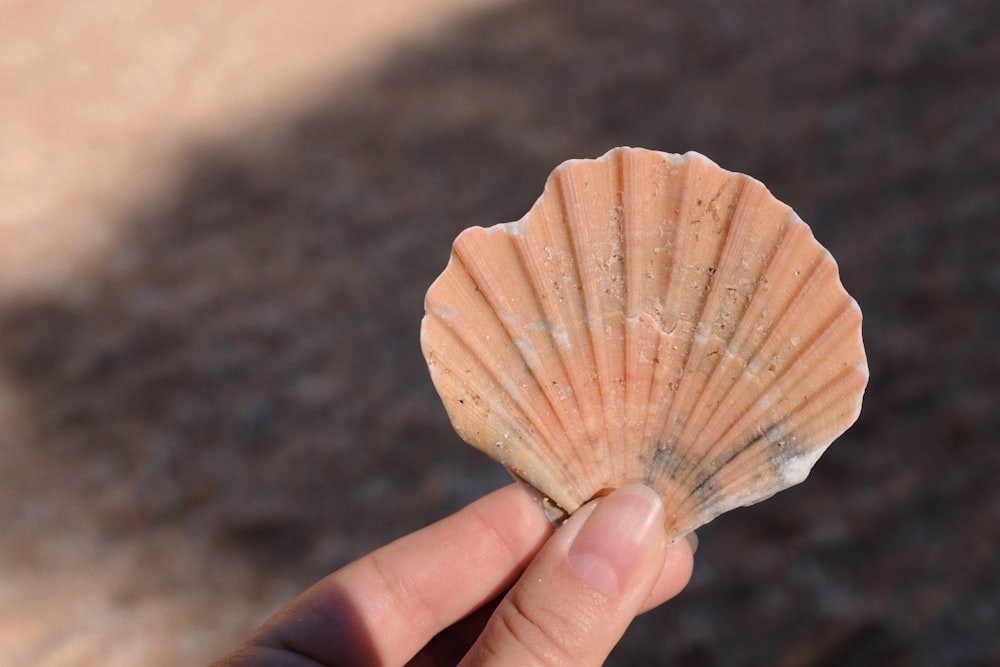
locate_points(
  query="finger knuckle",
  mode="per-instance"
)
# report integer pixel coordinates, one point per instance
(546, 635)
(404, 594)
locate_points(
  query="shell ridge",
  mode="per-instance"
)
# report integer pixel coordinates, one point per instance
(786, 320)
(676, 421)
(780, 385)
(654, 319)
(550, 317)
(850, 374)
(792, 467)
(815, 419)
(664, 383)
(651, 316)
(758, 300)
(639, 263)
(515, 426)
(671, 374)
(514, 423)
(753, 196)
(754, 408)
(595, 430)
(526, 407)
(812, 356)
(566, 198)
(722, 269)
(696, 501)
(619, 435)
(764, 290)
(811, 282)
(771, 437)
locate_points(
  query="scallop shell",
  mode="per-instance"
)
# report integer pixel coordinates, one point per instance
(654, 318)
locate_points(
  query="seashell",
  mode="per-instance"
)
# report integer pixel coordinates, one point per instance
(654, 318)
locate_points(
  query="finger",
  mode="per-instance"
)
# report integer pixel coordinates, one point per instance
(448, 647)
(383, 608)
(583, 589)
(678, 565)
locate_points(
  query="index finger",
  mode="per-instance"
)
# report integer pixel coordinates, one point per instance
(384, 607)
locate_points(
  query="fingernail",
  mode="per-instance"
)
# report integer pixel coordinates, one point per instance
(609, 551)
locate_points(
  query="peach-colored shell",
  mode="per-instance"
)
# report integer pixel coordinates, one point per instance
(653, 318)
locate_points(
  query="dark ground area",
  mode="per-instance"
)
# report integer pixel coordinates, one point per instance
(247, 368)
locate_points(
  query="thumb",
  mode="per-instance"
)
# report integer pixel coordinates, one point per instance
(575, 600)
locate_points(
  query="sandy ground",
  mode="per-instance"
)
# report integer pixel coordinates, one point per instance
(217, 222)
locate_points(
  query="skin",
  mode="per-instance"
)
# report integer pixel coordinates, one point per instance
(492, 584)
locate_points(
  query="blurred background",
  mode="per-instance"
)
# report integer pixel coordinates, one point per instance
(218, 220)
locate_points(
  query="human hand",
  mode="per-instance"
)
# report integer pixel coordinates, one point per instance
(434, 596)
